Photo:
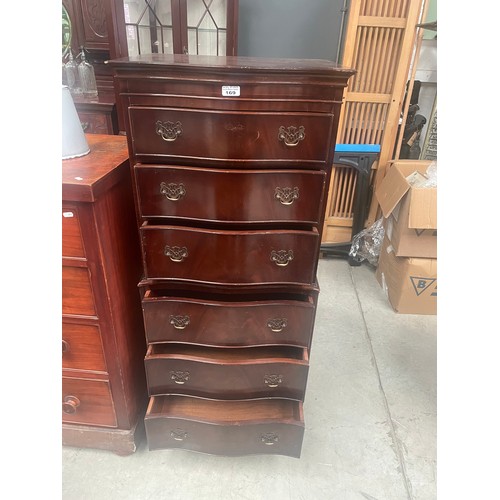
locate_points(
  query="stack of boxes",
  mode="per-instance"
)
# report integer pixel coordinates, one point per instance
(407, 267)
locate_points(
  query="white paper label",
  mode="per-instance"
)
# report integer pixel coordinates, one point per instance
(230, 90)
(68, 214)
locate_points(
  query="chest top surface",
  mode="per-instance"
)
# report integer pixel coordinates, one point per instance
(84, 178)
(232, 62)
(262, 66)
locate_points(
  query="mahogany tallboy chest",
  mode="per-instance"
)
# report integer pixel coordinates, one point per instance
(104, 393)
(230, 160)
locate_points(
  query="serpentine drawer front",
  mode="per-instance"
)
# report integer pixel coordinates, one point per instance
(229, 257)
(231, 428)
(231, 162)
(227, 323)
(208, 372)
(229, 196)
(166, 134)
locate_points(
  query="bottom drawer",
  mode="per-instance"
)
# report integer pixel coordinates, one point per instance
(88, 402)
(230, 428)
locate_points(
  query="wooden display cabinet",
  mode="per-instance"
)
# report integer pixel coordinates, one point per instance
(109, 29)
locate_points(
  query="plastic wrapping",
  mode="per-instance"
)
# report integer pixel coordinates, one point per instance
(431, 174)
(366, 244)
(427, 180)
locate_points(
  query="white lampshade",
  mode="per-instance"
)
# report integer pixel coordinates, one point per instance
(74, 143)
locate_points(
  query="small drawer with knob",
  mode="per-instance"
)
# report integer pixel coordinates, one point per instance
(230, 428)
(230, 257)
(227, 373)
(194, 136)
(230, 196)
(82, 347)
(77, 291)
(236, 321)
(87, 401)
(72, 240)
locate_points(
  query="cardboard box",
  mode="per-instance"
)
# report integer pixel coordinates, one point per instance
(410, 212)
(410, 283)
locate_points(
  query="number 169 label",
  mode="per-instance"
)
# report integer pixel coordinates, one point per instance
(230, 90)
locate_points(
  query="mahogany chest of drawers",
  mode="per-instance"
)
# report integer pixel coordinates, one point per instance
(104, 394)
(231, 161)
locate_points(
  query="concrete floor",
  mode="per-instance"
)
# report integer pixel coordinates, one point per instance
(370, 416)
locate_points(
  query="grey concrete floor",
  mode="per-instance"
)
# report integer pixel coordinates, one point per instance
(370, 417)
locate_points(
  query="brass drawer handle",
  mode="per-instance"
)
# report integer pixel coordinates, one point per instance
(277, 324)
(282, 257)
(172, 191)
(273, 380)
(269, 438)
(179, 322)
(179, 377)
(70, 404)
(168, 131)
(65, 346)
(179, 435)
(176, 254)
(286, 195)
(291, 136)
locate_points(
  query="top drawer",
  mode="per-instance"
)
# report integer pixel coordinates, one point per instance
(72, 242)
(201, 137)
(233, 89)
(225, 95)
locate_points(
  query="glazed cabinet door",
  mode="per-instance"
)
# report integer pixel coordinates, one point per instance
(181, 26)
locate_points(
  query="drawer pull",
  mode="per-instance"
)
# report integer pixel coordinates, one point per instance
(179, 377)
(179, 322)
(179, 435)
(176, 254)
(273, 380)
(172, 191)
(291, 136)
(286, 195)
(269, 438)
(277, 324)
(65, 346)
(168, 131)
(70, 404)
(282, 257)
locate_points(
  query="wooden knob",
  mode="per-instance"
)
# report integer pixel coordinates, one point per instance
(65, 346)
(70, 404)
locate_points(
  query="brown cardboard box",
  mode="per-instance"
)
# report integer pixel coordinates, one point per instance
(410, 212)
(409, 282)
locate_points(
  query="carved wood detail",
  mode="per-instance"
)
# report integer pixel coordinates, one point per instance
(95, 15)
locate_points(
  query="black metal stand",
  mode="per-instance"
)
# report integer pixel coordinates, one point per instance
(362, 162)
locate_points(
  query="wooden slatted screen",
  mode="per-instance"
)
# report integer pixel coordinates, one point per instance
(341, 197)
(379, 44)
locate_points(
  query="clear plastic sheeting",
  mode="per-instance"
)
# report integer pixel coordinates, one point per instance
(431, 173)
(366, 244)
(427, 180)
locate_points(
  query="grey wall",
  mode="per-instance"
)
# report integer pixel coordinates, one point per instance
(289, 28)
